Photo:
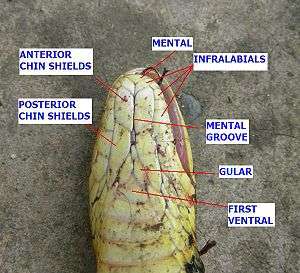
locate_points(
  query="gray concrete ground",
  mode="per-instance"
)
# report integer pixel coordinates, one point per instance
(43, 196)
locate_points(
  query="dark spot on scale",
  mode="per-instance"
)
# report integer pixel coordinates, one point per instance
(116, 182)
(191, 240)
(95, 200)
(155, 227)
(159, 150)
(140, 203)
(194, 266)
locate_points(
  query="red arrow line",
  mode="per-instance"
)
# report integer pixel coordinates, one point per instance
(179, 89)
(98, 132)
(190, 200)
(159, 62)
(175, 171)
(170, 73)
(178, 78)
(172, 124)
(107, 87)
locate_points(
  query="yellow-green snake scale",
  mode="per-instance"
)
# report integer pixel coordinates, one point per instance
(136, 233)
